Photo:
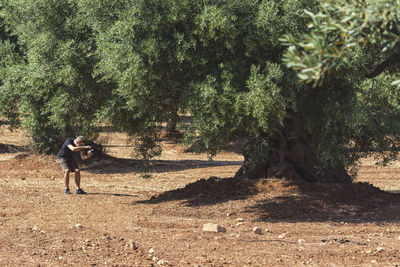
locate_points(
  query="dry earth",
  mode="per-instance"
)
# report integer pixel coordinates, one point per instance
(127, 220)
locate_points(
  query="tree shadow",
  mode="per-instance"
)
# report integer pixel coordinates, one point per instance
(160, 166)
(113, 194)
(8, 148)
(111, 165)
(5, 122)
(285, 201)
(207, 192)
(107, 146)
(347, 203)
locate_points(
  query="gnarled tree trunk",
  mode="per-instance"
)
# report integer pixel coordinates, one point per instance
(294, 160)
(172, 122)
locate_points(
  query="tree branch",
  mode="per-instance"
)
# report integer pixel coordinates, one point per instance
(392, 60)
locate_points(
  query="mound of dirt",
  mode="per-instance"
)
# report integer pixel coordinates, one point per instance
(207, 191)
(298, 200)
(26, 161)
(339, 192)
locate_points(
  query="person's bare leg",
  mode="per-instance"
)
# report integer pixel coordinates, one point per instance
(78, 178)
(66, 178)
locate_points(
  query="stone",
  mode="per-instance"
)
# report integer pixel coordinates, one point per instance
(130, 245)
(79, 226)
(257, 230)
(301, 241)
(212, 227)
(240, 220)
(151, 251)
(162, 262)
(282, 235)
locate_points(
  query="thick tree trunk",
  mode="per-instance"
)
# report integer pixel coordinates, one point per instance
(172, 123)
(292, 160)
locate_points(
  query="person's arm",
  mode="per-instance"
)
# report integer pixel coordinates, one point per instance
(78, 148)
(88, 156)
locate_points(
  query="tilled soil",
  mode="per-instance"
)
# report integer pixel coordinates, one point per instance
(128, 220)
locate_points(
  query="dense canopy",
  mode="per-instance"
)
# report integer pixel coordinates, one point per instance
(309, 87)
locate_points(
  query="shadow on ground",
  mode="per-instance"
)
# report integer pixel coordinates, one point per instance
(112, 165)
(113, 194)
(354, 203)
(7, 148)
(207, 192)
(280, 200)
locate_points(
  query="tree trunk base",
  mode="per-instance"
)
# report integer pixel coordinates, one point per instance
(292, 172)
(292, 159)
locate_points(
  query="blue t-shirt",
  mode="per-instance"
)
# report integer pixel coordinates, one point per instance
(65, 152)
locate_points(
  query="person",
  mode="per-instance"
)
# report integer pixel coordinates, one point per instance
(66, 157)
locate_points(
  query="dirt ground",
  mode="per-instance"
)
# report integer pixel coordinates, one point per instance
(128, 220)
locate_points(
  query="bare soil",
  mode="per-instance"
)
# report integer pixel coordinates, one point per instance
(128, 220)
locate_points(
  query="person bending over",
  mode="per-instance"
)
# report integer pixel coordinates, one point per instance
(66, 157)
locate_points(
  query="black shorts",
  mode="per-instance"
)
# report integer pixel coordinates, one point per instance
(68, 164)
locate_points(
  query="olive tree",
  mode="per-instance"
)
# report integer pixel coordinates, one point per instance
(49, 83)
(222, 62)
(308, 86)
(358, 44)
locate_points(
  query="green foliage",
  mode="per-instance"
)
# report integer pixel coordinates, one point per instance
(245, 91)
(50, 84)
(338, 26)
(136, 64)
(219, 60)
(145, 49)
(9, 55)
(352, 42)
